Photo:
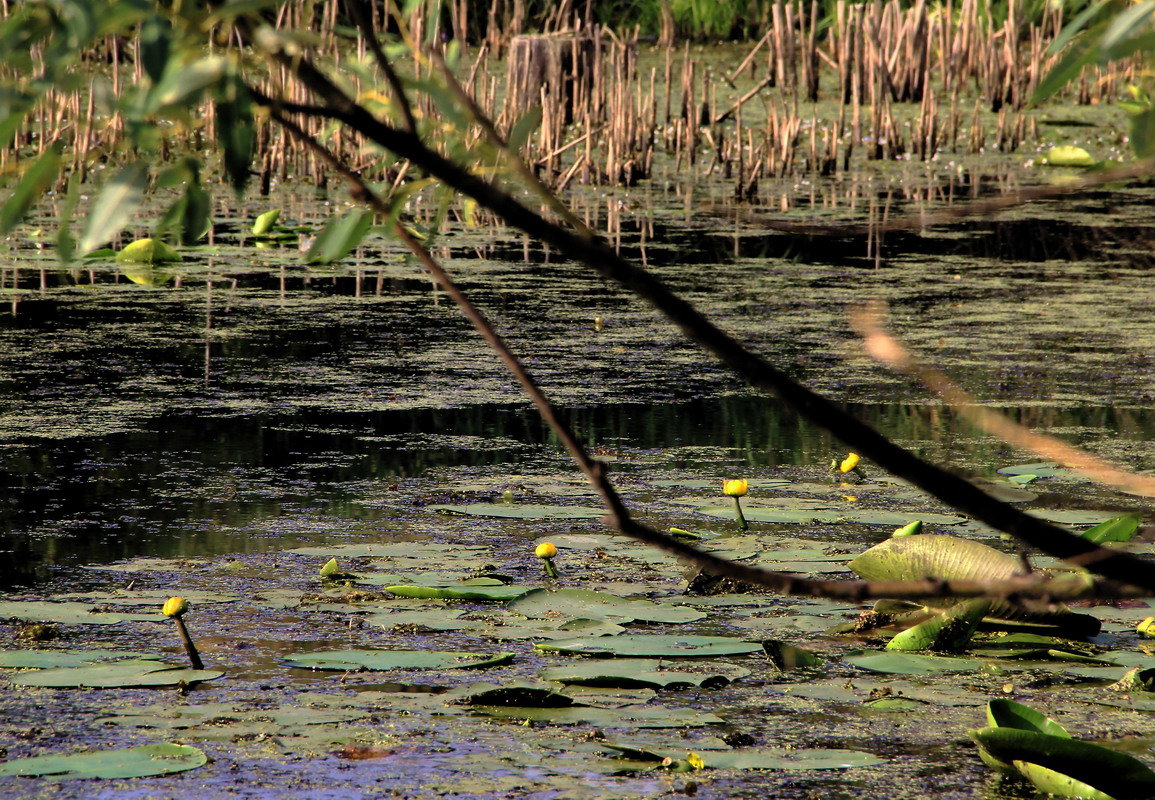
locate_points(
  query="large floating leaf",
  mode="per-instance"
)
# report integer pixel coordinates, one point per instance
(133, 762)
(634, 672)
(649, 716)
(395, 659)
(147, 251)
(66, 613)
(951, 630)
(42, 659)
(461, 591)
(908, 663)
(1116, 774)
(653, 646)
(545, 603)
(912, 558)
(1116, 529)
(133, 673)
(1056, 783)
(1004, 713)
(522, 511)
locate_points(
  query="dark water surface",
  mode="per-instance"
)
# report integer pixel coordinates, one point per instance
(171, 412)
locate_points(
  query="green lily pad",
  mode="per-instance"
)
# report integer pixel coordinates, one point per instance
(642, 672)
(148, 251)
(1116, 529)
(806, 511)
(134, 673)
(1056, 783)
(133, 762)
(653, 646)
(545, 603)
(1004, 713)
(346, 660)
(265, 222)
(521, 511)
(461, 591)
(1109, 771)
(43, 659)
(908, 663)
(67, 613)
(392, 550)
(436, 619)
(649, 716)
(1068, 155)
(951, 630)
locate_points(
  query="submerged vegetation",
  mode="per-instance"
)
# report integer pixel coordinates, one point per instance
(469, 626)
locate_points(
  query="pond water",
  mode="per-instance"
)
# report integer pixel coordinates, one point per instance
(221, 427)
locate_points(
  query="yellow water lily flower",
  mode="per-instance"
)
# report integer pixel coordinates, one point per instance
(735, 488)
(174, 607)
(849, 463)
(545, 550)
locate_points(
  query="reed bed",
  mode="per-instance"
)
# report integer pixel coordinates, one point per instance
(825, 87)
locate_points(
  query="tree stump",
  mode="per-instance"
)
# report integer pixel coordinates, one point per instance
(554, 69)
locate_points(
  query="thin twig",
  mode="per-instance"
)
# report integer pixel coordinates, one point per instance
(867, 321)
(365, 25)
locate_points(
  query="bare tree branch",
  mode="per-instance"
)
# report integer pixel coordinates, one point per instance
(599, 256)
(1027, 586)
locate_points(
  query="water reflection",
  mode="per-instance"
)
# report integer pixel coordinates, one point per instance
(190, 485)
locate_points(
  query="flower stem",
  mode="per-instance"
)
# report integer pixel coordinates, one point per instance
(742, 523)
(193, 656)
(550, 569)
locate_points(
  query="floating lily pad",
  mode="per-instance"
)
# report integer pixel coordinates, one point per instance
(437, 619)
(147, 251)
(908, 663)
(133, 762)
(649, 716)
(653, 646)
(43, 659)
(521, 511)
(395, 659)
(1116, 529)
(134, 673)
(461, 591)
(391, 550)
(67, 613)
(634, 672)
(1109, 771)
(807, 511)
(951, 630)
(1042, 469)
(545, 603)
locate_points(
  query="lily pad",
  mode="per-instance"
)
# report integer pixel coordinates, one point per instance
(951, 630)
(521, 511)
(133, 762)
(545, 603)
(134, 673)
(635, 672)
(1004, 713)
(909, 663)
(461, 591)
(43, 659)
(1116, 529)
(346, 660)
(653, 646)
(1109, 771)
(148, 251)
(649, 716)
(67, 613)
(758, 758)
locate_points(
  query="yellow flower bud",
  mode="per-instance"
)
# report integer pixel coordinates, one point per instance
(849, 463)
(735, 488)
(546, 550)
(174, 607)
